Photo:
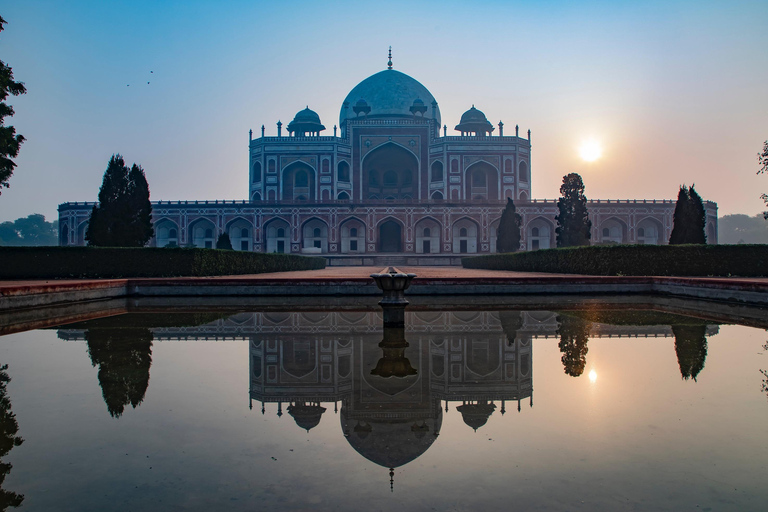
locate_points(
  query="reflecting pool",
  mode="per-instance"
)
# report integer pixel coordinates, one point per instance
(336, 407)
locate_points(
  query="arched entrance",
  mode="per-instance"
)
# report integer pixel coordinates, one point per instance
(390, 237)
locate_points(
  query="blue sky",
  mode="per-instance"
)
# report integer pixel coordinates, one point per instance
(674, 91)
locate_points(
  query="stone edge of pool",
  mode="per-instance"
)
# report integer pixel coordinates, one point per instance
(30, 294)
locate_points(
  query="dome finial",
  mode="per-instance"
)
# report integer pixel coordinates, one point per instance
(389, 64)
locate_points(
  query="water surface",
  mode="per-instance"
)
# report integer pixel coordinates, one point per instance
(633, 409)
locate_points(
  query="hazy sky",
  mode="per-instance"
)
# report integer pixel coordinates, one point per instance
(676, 92)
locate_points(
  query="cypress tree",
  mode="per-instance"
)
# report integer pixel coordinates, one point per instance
(140, 228)
(106, 225)
(573, 224)
(689, 219)
(698, 218)
(223, 242)
(508, 239)
(123, 215)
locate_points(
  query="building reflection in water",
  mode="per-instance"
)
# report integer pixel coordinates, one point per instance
(392, 383)
(391, 390)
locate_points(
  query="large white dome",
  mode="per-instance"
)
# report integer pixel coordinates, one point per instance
(389, 93)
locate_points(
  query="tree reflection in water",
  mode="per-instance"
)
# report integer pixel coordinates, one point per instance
(691, 349)
(574, 335)
(9, 427)
(124, 356)
(511, 322)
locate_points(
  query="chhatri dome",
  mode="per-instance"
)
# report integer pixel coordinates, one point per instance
(306, 121)
(474, 121)
(389, 93)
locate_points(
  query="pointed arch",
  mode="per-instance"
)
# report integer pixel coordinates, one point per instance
(540, 233)
(240, 232)
(314, 236)
(298, 181)
(277, 235)
(481, 182)
(613, 230)
(202, 233)
(465, 232)
(650, 231)
(166, 232)
(352, 231)
(428, 230)
(388, 171)
(390, 231)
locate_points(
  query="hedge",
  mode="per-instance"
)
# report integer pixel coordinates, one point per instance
(634, 260)
(111, 262)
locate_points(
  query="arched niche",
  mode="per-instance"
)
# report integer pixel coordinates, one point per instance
(649, 231)
(613, 231)
(389, 171)
(428, 236)
(522, 172)
(277, 233)
(240, 234)
(299, 182)
(342, 173)
(481, 182)
(494, 234)
(352, 236)
(436, 173)
(314, 234)
(390, 234)
(465, 233)
(202, 233)
(539, 234)
(166, 233)
(256, 172)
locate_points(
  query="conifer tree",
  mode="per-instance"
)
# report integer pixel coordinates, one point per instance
(508, 236)
(698, 218)
(9, 140)
(223, 242)
(140, 228)
(689, 219)
(123, 215)
(573, 224)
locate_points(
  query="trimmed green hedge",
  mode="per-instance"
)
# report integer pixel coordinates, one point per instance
(110, 262)
(634, 260)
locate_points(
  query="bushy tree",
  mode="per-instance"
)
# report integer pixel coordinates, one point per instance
(223, 242)
(689, 219)
(508, 236)
(573, 224)
(9, 140)
(9, 427)
(762, 159)
(30, 230)
(123, 215)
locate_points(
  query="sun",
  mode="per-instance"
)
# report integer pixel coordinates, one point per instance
(590, 150)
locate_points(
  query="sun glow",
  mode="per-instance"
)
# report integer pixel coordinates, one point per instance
(592, 375)
(590, 150)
